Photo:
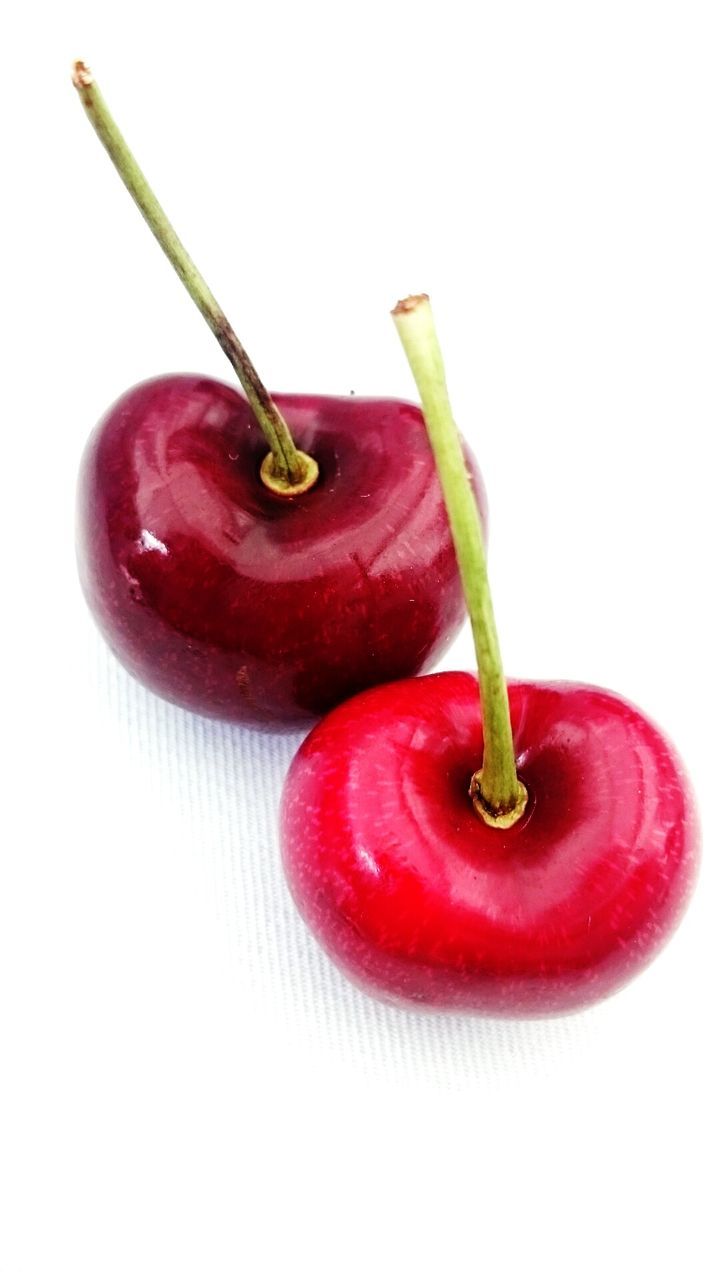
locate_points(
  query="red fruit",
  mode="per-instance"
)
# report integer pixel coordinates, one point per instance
(234, 602)
(422, 903)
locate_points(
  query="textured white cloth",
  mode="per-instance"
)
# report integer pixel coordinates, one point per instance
(188, 1088)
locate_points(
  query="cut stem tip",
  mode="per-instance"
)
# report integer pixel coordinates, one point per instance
(82, 76)
(406, 305)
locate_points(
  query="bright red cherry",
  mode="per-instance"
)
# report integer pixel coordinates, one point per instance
(259, 586)
(421, 902)
(536, 884)
(234, 602)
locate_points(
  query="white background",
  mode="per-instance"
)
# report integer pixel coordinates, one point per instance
(188, 1087)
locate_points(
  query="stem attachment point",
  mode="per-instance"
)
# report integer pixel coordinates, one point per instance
(284, 486)
(502, 821)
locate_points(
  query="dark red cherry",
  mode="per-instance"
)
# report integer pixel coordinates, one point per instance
(422, 903)
(258, 559)
(234, 602)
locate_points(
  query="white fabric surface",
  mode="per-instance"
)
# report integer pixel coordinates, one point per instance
(187, 1086)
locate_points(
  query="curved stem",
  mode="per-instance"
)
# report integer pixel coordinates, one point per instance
(498, 794)
(292, 471)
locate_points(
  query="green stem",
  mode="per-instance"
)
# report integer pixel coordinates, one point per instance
(290, 470)
(498, 794)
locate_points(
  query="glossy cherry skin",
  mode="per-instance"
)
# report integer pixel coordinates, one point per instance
(239, 604)
(421, 903)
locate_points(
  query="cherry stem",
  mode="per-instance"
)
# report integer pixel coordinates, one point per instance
(498, 794)
(288, 471)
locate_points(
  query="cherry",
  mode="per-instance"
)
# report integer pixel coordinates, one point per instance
(235, 603)
(259, 586)
(535, 885)
(419, 900)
